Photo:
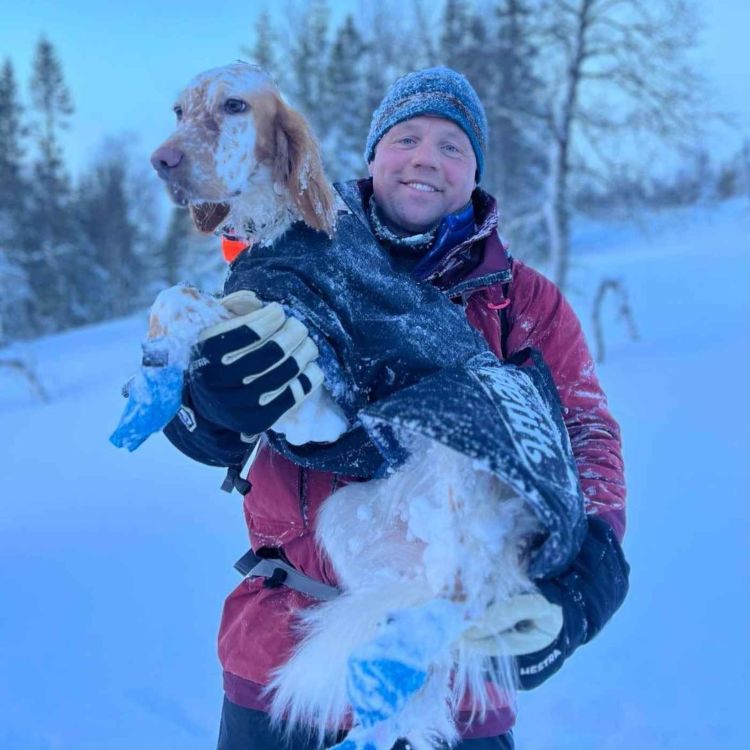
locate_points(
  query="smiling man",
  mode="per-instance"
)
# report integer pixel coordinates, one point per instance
(425, 152)
(423, 169)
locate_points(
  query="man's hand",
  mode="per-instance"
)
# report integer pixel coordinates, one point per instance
(522, 625)
(250, 370)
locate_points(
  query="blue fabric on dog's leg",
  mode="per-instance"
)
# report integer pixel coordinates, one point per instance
(380, 688)
(386, 672)
(154, 397)
(353, 745)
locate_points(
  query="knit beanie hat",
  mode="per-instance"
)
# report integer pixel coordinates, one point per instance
(434, 91)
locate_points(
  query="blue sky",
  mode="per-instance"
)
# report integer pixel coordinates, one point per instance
(125, 62)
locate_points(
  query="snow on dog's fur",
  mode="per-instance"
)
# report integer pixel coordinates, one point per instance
(440, 528)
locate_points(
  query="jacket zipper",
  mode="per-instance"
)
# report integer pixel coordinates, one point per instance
(302, 489)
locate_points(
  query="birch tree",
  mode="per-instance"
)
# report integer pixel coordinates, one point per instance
(620, 93)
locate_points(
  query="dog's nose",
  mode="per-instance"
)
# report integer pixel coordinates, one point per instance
(166, 158)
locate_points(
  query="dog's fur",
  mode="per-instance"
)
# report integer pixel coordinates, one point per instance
(252, 174)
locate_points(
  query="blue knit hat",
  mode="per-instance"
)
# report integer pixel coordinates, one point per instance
(434, 91)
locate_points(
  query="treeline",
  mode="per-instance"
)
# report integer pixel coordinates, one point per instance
(72, 251)
(337, 73)
(583, 97)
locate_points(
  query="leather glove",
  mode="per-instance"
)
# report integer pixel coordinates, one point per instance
(250, 370)
(522, 625)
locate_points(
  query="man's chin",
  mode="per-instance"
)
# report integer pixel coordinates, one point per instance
(418, 222)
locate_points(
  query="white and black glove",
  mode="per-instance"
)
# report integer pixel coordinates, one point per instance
(574, 607)
(250, 370)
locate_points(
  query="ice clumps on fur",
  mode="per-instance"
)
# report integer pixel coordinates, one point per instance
(154, 393)
(318, 418)
(424, 550)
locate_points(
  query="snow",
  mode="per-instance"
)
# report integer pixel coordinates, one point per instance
(317, 419)
(113, 566)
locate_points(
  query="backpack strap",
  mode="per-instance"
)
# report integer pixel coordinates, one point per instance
(234, 479)
(278, 572)
(504, 322)
(502, 311)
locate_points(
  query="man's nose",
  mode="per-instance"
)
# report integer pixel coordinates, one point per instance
(166, 158)
(425, 155)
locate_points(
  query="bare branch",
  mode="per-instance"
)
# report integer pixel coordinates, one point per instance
(616, 287)
(19, 366)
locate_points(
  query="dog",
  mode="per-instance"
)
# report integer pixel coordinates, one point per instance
(243, 159)
(417, 553)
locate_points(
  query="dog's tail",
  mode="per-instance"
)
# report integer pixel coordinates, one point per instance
(310, 689)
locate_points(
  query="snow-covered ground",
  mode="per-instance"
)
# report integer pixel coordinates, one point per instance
(113, 566)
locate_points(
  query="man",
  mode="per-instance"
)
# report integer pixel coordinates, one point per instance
(425, 152)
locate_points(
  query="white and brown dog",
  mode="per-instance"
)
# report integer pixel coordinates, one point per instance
(425, 553)
(241, 158)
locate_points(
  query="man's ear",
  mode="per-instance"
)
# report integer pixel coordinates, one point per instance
(369, 168)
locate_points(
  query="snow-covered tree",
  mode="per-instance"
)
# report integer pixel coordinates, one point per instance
(108, 272)
(11, 145)
(515, 159)
(263, 51)
(348, 130)
(51, 244)
(305, 83)
(15, 300)
(619, 90)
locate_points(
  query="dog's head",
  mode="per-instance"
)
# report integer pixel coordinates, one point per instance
(235, 135)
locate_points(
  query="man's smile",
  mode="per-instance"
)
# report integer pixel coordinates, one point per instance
(421, 186)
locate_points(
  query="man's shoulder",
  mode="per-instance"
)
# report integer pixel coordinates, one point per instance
(529, 283)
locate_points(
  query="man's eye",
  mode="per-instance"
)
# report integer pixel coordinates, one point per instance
(235, 106)
(178, 112)
(407, 140)
(451, 149)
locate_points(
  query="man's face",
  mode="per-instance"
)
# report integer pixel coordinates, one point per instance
(423, 170)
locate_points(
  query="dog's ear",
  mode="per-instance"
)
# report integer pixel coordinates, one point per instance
(297, 165)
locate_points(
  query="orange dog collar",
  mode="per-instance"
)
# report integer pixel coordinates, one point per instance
(231, 247)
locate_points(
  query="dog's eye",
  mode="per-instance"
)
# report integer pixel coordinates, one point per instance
(178, 112)
(235, 106)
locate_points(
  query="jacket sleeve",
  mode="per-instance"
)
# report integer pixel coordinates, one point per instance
(540, 317)
(202, 440)
(596, 583)
(589, 592)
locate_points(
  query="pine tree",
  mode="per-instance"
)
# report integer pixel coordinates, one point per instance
(53, 239)
(186, 255)
(172, 249)
(11, 148)
(15, 298)
(348, 131)
(517, 157)
(108, 275)
(307, 84)
(262, 51)
(456, 44)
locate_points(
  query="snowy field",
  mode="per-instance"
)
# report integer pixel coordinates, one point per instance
(113, 567)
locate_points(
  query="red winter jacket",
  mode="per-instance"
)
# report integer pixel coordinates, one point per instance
(257, 633)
